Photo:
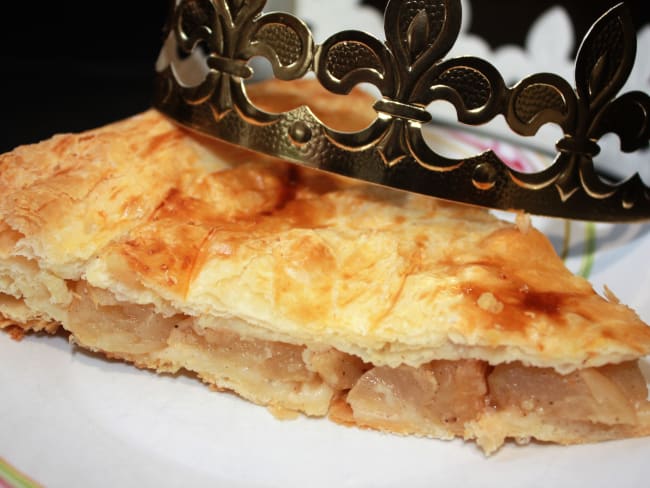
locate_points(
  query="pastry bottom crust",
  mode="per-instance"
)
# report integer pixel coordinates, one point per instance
(441, 399)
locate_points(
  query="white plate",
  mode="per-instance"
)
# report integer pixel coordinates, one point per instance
(68, 418)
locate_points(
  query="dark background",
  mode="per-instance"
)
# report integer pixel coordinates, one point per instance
(73, 65)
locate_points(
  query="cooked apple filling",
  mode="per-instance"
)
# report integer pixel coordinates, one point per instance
(441, 398)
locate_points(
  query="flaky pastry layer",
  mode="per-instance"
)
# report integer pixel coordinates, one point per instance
(209, 239)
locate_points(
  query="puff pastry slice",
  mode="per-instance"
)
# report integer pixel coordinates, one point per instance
(303, 292)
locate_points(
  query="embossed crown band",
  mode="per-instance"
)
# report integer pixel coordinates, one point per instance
(410, 71)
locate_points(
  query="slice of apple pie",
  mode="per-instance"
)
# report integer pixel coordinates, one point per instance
(304, 292)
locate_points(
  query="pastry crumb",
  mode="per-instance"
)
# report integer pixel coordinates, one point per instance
(610, 296)
(488, 302)
(283, 413)
(15, 332)
(522, 221)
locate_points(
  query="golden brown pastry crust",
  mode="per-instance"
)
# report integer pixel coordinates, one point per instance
(393, 278)
(172, 222)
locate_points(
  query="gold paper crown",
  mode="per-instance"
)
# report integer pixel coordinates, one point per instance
(410, 71)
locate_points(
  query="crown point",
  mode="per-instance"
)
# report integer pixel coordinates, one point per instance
(389, 160)
(633, 192)
(566, 194)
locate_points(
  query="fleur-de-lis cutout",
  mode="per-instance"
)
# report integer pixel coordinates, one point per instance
(409, 72)
(234, 31)
(603, 64)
